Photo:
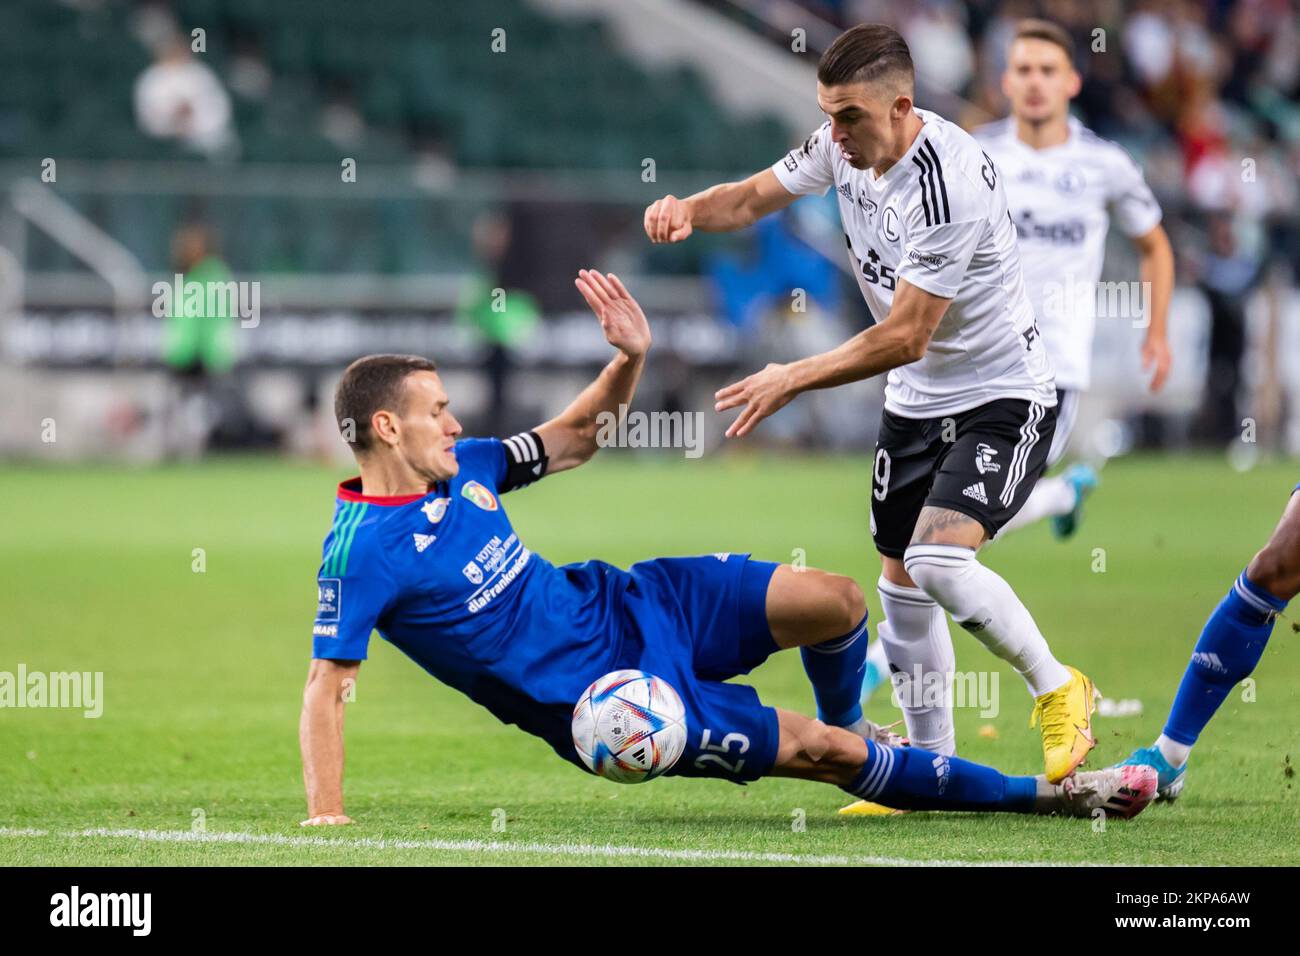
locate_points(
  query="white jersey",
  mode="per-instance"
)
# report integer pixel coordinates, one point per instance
(1061, 200)
(938, 219)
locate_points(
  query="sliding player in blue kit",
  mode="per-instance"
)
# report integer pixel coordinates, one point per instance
(422, 551)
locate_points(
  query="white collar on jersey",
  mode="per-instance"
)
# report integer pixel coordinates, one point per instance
(1073, 126)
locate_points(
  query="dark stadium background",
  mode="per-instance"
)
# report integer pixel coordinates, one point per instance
(509, 159)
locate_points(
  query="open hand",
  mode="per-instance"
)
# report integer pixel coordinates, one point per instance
(621, 318)
(1157, 358)
(761, 394)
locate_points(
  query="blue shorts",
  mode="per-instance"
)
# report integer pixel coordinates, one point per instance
(697, 622)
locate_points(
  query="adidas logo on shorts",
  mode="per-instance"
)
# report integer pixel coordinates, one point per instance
(976, 491)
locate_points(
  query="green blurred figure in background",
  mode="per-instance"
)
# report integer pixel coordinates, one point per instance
(198, 348)
(199, 344)
(505, 318)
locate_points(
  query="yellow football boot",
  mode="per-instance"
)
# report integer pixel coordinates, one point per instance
(1065, 719)
(865, 808)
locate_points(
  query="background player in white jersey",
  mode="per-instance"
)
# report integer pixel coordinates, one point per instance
(1064, 185)
(970, 399)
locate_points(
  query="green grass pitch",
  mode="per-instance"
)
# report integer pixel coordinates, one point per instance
(195, 758)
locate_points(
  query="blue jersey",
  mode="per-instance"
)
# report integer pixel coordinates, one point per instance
(444, 577)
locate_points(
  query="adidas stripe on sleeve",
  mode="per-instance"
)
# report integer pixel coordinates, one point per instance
(939, 246)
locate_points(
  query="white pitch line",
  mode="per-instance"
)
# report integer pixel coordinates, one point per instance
(607, 851)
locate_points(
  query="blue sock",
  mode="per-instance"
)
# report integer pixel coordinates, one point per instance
(835, 668)
(1230, 646)
(908, 778)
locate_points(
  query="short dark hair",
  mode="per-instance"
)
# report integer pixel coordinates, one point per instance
(369, 385)
(865, 53)
(1031, 29)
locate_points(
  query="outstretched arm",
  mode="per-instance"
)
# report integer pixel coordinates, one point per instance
(899, 340)
(725, 207)
(1156, 266)
(320, 735)
(570, 437)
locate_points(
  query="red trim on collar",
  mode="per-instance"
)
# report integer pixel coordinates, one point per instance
(350, 490)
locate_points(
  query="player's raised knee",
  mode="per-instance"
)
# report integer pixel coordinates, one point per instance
(1277, 570)
(848, 600)
(928, 573)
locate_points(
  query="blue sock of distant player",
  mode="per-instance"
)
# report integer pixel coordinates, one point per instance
(835, 668)
(908, 778)
(1230, 646)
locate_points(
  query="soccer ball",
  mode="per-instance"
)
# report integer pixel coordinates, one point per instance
(629, 726)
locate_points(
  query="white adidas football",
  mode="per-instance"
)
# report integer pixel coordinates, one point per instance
(629, 726)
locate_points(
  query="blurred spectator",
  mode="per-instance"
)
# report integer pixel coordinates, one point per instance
(198, 347)
(503, 318)
(248, 75)
(1227, 274)
(939, 29)
(198, 343)
(180, 98)
(341, 122)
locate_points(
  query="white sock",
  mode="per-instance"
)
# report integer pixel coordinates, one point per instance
(1173, 751)
(1050, 497)
(984, 604)
(916, 641)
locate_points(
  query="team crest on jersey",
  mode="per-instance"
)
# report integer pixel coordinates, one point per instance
(435, 509)
(479, 495)
(984, 462)
(889, 224)
(1070, 182)
(473, 572)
